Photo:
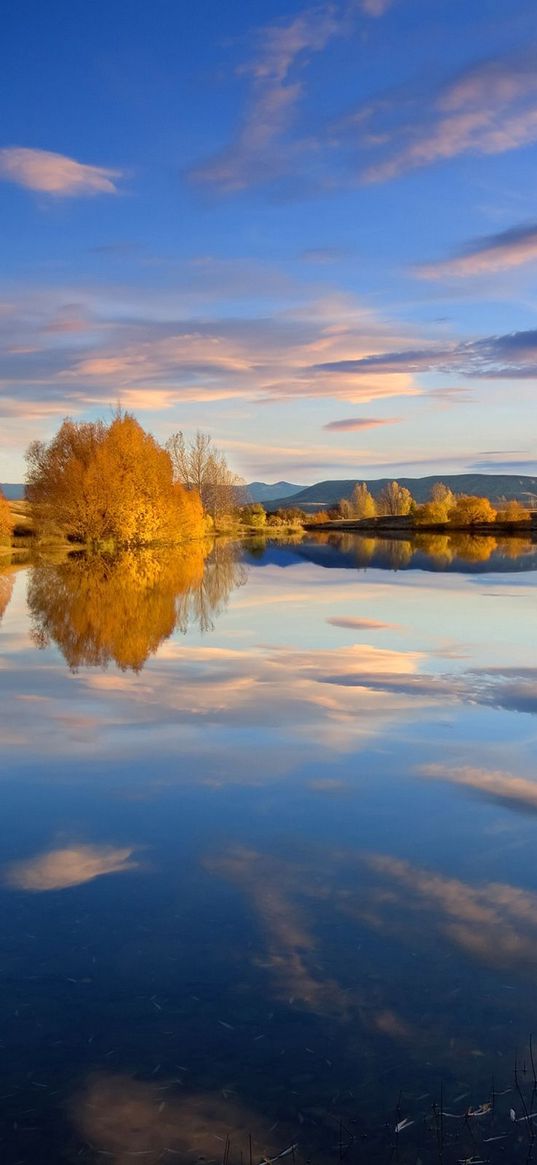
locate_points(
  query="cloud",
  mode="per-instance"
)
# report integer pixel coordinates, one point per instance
(66, 350)
(490, 108)
(352, 423)
(375, 7)
(492, 357)
(499, 252)
(260, 151)
(55, 174)
(62, 868)
(519, 792)
(355, 624)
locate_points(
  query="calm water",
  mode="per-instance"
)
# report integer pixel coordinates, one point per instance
(269, 854)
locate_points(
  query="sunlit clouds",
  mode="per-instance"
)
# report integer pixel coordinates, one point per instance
(54, 174)
(512, 248)
(59, 869)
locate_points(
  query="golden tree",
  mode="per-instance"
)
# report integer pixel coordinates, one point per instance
(395, 500)
(362, 502)
(471, 511)
(512, 511)
(6, 521)
(99, 483)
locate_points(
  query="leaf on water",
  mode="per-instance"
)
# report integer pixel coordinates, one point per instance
(405, 1124)
(481, 1110)
(512, 1114)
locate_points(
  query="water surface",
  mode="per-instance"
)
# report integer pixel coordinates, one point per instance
(268, 853)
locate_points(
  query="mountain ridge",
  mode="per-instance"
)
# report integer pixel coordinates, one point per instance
(328, 493)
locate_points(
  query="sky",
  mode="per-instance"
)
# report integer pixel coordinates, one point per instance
(309, 230)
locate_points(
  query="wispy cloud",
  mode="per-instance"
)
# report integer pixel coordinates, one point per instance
(251, 158)
(499, 252)
(375, 7)
(513, 355)
(353, 423)
(489, 109)
(64, 351)
(55, 174)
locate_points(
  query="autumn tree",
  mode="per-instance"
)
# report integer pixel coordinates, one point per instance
(395, 500)
(6, 522)
(345, 508)
(512, 511)
(436, 511)
(471, 511)
(99, 483)
(254, 515)
(362, 502)
(199, 465)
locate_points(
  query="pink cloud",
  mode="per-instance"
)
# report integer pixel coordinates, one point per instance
(500, 252)
(352, 423)
(55, 174)
(490, 109)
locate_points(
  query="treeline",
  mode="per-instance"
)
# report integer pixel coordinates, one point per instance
(443, 507)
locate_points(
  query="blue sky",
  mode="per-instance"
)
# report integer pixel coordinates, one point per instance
(309, 230)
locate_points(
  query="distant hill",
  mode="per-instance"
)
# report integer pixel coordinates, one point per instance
(261, 491)
(14, 492)
(488, 485)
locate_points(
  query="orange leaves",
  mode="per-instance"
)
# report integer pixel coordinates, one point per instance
(6, 523)
(110, 483)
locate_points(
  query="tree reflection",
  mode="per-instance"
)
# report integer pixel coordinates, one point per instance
(6, 590)
(121, 608)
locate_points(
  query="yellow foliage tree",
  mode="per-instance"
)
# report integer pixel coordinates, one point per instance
(99, 483)
(362, 502)
(6, 523)
(395, 500)
(512, 511)
(471, 511)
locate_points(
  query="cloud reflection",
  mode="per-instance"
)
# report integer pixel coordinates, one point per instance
(491, 921)
(127, 1119)
(60, 869)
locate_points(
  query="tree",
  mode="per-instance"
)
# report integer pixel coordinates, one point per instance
(362, 502)
(254, 515)
(198, 465)
(395, 500)
(345, 508)
(512, 511)
(442, 495)
(6, 522)
(98, 483)
(471, 511)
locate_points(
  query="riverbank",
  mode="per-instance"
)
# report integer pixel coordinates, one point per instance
(399, 526)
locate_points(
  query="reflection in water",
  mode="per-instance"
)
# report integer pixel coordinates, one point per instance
(289, 945)
(72, 866)
(321, 917)
(127, 1119)
(493, 922)
(518, 792)
(427, 551)
(6, 590)
(102, 608)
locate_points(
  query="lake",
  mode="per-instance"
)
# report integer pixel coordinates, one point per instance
(268, 873)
